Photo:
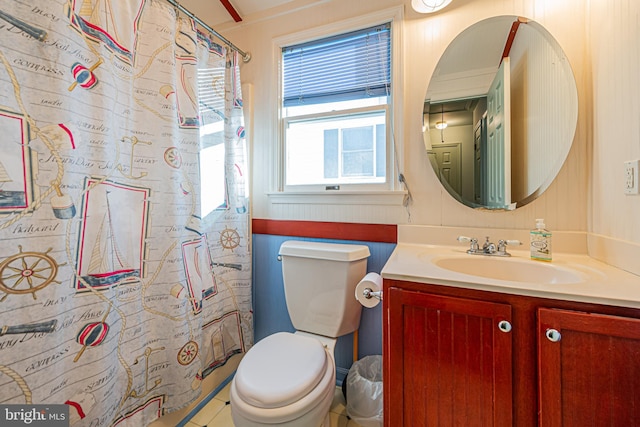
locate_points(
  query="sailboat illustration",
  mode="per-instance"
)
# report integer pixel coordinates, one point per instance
(4, 176)
(223, 346)
(98, 21)
(99, 14)
(201, 282)
(7, 197)
(107, 265)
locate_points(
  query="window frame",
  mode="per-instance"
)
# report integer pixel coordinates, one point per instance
(388, 193)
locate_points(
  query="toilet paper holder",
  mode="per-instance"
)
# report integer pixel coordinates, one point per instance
(369, 293)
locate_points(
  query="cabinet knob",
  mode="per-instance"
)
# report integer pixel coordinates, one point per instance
(553, 335)
(504, 326)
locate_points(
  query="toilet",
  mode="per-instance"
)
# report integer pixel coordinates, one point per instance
(289, 379)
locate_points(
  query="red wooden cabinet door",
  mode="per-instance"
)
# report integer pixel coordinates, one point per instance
(448, 361)
(589, 369)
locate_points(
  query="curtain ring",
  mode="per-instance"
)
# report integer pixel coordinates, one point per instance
(176, 8)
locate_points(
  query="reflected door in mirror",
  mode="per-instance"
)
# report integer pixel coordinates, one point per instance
(498, 154)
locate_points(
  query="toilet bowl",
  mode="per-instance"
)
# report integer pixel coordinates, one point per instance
(288, 379)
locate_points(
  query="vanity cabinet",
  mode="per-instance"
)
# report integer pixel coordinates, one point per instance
(450, 359)
(589, 369)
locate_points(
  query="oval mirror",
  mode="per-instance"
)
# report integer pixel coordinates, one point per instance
(500, 113)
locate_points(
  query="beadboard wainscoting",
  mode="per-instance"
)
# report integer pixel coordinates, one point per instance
(270, 309)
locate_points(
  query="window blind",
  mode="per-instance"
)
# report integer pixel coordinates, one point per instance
(211, 93)
(348, 66)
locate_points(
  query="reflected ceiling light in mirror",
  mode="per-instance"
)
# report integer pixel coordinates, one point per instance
(441, 125)
(429, 6)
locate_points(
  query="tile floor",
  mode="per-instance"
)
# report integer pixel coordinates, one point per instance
(218, 414)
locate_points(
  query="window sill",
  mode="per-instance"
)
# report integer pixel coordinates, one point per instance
(389, 198)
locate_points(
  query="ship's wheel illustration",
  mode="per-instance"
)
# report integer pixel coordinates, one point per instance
(27, 273)
(229, 238)
(19, 381)
(172, 157)
(188, 352)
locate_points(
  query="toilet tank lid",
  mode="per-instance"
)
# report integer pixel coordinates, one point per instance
(323, 250)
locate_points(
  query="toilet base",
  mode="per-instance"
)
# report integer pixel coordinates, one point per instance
(327, 421)
(313, 418)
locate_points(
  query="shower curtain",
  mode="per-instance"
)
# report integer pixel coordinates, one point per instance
(125, 267)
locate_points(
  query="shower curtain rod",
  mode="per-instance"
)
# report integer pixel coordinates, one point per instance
(246, 56)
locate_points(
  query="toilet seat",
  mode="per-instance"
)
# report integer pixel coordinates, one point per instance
(280, 369)
(256, 396)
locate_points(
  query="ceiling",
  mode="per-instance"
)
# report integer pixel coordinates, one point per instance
(467, 55)
(469, 52)
(454, 112)
(213, 12)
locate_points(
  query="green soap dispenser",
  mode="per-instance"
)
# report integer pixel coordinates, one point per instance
(540, 242)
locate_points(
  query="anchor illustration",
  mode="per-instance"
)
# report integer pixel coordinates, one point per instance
(147, 390)
(134, 141)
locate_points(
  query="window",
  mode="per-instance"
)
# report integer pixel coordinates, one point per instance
(212, 148)
(336, 111)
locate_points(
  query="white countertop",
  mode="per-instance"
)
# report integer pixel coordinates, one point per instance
(598, 282)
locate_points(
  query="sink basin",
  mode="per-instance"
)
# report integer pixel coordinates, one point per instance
(509, 269)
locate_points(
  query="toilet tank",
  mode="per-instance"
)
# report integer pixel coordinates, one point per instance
(319, 285)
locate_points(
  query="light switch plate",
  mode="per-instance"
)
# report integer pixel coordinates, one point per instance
(631, 176)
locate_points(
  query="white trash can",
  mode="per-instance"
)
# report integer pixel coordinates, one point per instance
(364, 391)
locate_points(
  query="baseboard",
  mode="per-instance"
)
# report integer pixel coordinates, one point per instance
(341, 374)
(211, 386)
(192, 413)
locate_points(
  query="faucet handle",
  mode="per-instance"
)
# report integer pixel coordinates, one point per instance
(473, 243)
(502, 244)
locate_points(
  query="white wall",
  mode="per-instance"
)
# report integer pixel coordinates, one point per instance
(614, 37)
(424, 38)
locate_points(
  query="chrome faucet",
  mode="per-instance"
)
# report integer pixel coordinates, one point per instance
(488, 248)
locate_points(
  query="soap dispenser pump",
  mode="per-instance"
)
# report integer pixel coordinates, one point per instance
(540, 242)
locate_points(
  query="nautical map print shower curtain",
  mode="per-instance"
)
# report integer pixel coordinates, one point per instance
(118, 294)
